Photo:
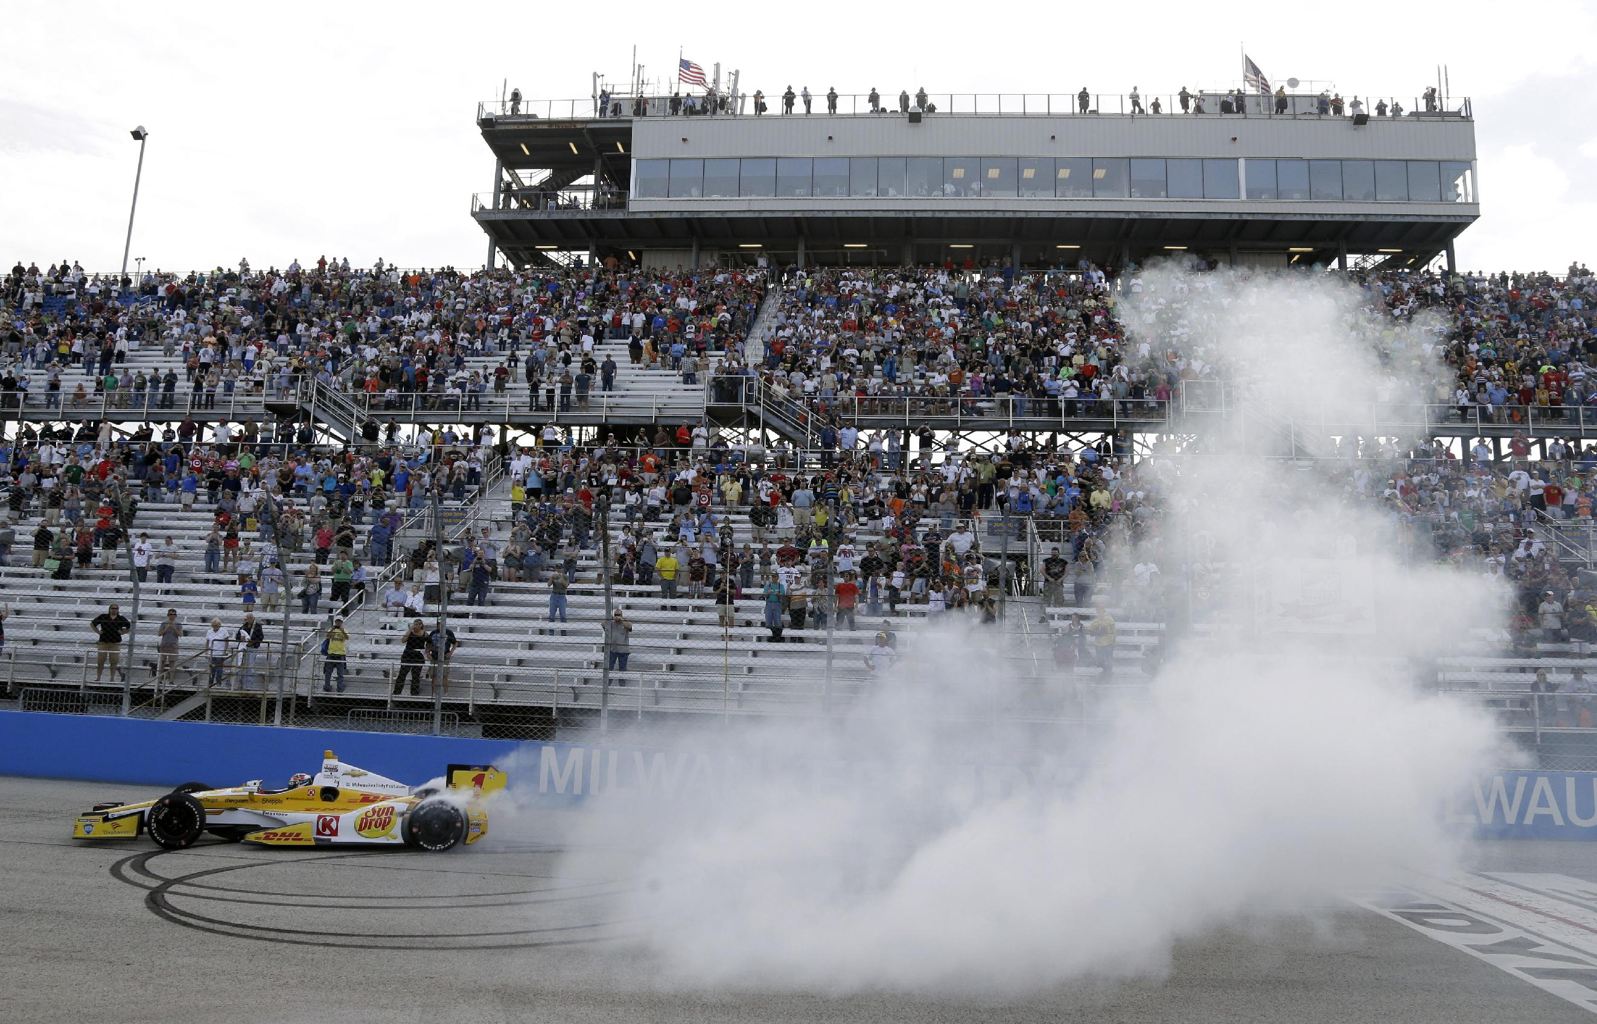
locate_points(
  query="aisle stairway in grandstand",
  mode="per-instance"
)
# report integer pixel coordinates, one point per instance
(640, 394)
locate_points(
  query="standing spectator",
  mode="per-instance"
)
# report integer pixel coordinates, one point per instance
(343, 573)
(846, 595)
(42, 538)
(167, 636)
(617, 642)
(920, 98)
(805, 94)
(881, 655)
(1103, 630)
(787, 100)
(667, 567)
(271, 587)
(831, 100)
(875, 100)
(773, 596)
(249, 637)
(1185, 99)
(335, 655)
(1281, 100)
(478, 578)
(903, 101)
(558, 585)
(412, 658)
(1551, 615)
(165, 562)
(726, 600)
(310, 589)
(213, 551)
(216, 640)
(1136, 101)
(1083, 100)
(110, 628)
(441, 644)
(142, 552)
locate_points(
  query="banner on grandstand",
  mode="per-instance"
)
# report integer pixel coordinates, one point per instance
(1530, 805)
(1503, 805)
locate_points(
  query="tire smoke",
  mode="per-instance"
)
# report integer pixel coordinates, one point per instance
(932, 839)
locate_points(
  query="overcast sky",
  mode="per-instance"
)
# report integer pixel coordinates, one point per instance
(291, 130)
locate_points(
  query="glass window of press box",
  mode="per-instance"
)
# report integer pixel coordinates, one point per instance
(975, 177)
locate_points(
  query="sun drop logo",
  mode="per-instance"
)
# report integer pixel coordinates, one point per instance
(376, 822)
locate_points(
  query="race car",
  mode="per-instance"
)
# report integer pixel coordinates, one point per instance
(340, 805)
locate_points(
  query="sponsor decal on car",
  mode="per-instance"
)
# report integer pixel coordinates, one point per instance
(293, 835)
(376, 822)
(326, 825)
(88, 829)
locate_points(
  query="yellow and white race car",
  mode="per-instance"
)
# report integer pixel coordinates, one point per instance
(339, 805)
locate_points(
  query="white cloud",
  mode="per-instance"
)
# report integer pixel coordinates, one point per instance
(1531, 218)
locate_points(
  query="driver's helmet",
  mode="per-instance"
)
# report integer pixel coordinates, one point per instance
(298, 779)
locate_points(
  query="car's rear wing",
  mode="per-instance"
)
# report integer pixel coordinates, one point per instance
(484, 778)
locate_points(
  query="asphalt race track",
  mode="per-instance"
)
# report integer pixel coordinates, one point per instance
(226, 932)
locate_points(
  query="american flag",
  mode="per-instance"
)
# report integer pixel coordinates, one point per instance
(691, 73)
(1253, 76)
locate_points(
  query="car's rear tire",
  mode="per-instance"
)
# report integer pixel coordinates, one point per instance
(175, 821)
(434, 826)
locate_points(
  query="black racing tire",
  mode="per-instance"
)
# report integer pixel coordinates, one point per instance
(193, 787)
(434, 826)
(175, 821)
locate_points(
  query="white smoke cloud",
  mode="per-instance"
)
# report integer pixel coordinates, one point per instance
(925, 842)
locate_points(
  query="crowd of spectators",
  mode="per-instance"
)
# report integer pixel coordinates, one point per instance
(283, 530)
(991, 341)
(438, 339)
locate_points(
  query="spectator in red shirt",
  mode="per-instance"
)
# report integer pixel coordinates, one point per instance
(847, 592)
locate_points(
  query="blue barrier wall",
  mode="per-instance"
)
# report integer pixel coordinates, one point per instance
(138, 751)
(1531, 805)
(1503, 805)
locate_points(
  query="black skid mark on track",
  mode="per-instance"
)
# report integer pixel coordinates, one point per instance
(160, 890)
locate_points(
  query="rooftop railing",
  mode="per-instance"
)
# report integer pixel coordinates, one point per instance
(1204, 103)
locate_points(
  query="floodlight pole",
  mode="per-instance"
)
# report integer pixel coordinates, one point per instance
(143, 136)
(441, 647)
(603, 506)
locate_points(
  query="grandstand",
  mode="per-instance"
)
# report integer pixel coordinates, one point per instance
(921, 394)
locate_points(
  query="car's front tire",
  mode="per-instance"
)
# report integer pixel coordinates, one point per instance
(175, 821)
(434, 826)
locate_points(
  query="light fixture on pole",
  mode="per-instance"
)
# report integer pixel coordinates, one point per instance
(140, 135)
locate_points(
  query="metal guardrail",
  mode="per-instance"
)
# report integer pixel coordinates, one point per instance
(1081, 103)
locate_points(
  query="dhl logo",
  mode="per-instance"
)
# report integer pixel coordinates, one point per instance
(376, 822)
(298, 836)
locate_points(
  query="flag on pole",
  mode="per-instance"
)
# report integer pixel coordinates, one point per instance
(1253, 76)
(691, 73)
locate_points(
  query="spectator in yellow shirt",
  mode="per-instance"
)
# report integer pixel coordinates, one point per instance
(667, 568)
